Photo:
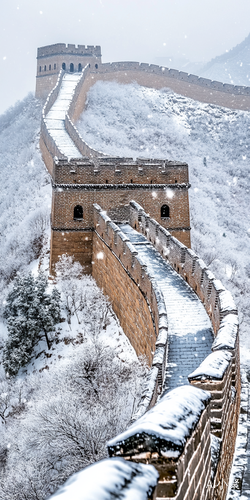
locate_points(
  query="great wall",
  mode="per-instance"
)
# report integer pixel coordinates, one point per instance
(137, 247)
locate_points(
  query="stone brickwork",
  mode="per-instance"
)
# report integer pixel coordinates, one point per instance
(76, 243)
(51, 59)
(225, 407)
(108, 183)
(134, 295)
(183, 461)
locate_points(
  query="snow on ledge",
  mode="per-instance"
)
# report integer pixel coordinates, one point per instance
(109, 479)
(227, 333)
(166, 427)
(213, 366)
(227, 303)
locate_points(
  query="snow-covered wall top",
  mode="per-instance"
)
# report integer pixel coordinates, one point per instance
(176, 74)
(166, 427)
(213, 366)
(109, 479)
(218, 302)
(128, 257)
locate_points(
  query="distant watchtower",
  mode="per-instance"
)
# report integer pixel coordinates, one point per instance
(52, 58)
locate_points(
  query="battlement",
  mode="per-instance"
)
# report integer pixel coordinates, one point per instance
(63, 48)
(120, 171)
(72, 58)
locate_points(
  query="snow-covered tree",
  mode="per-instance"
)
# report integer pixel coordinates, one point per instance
(81, 296)
(31, 314)
(69, 274)
(76, 407)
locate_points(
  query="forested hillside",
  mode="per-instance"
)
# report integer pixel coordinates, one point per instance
(25, 188)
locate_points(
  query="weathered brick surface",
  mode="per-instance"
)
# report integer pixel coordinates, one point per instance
(86, 188)
(188, 476)
(127, 300)
(75, 243)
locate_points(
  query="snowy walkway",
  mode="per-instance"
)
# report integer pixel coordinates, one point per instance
(56, 115)
(190, 334)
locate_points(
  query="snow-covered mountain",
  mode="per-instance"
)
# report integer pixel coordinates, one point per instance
(231, 67)
(129, 120)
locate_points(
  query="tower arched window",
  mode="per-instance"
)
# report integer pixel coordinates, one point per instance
(63, 66)
(78, 212)
(96, 66)
(55, 66)
(50, 67)
(40, 68)
(165, 212)
(71, 68)
(79, 67)
(45, 67)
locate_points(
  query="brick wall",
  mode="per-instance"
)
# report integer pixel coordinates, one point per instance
(113, 200)
(135, 298)
(75, 243)
(218, 302)
(184, 474)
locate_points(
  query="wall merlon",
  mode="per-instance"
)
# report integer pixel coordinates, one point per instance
(162, 337)
(62, 48)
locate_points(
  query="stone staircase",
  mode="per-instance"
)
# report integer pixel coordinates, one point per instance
(55, 119)
(190, 335)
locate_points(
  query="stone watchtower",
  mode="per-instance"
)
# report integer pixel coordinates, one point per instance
(160, 186)
(52, 58)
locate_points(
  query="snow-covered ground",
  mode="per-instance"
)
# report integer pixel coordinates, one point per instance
(91, 346)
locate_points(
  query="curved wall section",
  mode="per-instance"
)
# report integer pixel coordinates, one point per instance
(152, 76)
(135, 297)
(224, 384)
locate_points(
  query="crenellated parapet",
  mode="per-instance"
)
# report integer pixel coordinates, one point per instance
(174, 437)
(217, 301)
(219, 373)
(52, 58)
(173, 73)
(148, 337)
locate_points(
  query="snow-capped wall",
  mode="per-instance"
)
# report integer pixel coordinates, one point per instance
(174, 436)
(219, 373)
(148, 337)
(108, 479)
(45, 135)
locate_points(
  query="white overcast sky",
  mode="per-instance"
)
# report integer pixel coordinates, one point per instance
(139, 30)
